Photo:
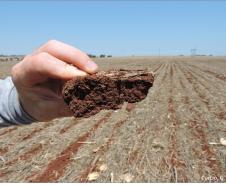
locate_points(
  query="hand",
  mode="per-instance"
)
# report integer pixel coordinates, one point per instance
(39, 77)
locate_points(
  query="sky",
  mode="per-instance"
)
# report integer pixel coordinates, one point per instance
(118, 28)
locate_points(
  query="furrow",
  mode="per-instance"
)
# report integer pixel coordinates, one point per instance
(158, 67)
(56, 167)
(177, 164)
(48, 140)
(206, 97)
(23, 137)
(198, 127)
(193, 147)
(36, 131)
(69, 126)
(216, 89)
(166, 69)
(102, 150)
(209, 78)
(8, 130)
(27, 155)
(207, 81)
(212, 73)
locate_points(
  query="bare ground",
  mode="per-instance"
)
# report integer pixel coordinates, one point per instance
(165, 138)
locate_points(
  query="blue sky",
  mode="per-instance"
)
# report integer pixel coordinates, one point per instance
(114, 27)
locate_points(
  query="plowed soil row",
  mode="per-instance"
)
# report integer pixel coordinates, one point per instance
(199, 130)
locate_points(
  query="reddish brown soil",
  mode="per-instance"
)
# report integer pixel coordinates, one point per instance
(86, 96)
(103, 149)
(27, 155)
(3, 150)
(58, 165)
(36, 130)
(130, 107)
(8, 131)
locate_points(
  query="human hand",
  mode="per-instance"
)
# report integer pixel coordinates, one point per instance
(39, 77)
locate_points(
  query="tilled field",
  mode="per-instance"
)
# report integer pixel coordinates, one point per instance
(171, 136)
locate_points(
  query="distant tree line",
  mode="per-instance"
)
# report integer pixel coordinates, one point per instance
(202, 55)
(6, 58)
(100, 56)
(1, 55)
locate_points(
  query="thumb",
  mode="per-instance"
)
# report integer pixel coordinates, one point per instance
(37, 68)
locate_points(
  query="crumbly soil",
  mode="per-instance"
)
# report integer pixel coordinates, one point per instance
(86, 96)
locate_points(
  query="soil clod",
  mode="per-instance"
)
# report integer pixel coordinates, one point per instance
(88, 95)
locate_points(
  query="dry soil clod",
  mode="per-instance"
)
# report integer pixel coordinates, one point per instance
(88, 95)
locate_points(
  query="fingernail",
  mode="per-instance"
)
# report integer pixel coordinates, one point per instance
(92, 66)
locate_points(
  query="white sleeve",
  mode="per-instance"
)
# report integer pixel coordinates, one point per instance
(11, 110)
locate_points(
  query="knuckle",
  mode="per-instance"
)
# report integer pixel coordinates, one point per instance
(14, 71)
(37, 60)
(40, 57)
(51, 43)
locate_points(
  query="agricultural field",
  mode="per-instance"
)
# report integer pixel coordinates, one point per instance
(171, 136)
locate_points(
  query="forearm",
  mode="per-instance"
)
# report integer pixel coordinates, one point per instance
(11, 111)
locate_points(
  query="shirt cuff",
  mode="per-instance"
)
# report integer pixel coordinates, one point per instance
(19, 115)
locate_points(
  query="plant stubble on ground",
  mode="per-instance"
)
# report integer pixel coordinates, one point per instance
(167, 137)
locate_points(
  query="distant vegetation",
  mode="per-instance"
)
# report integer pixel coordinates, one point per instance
(202, 55)
(6, 58)
(101, 56)
(92, 56)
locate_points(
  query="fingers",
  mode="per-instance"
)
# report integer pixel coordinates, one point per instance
(70, 55)
(37, 68)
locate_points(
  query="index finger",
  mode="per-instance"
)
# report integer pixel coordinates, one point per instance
(70, 55)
